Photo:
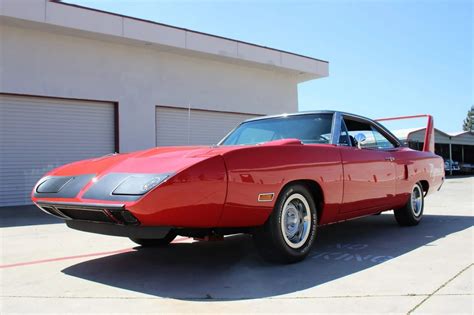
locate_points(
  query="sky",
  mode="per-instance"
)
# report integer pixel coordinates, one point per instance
(386, 57)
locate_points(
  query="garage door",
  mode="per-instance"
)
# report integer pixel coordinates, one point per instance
(180, 126)
(39, 134)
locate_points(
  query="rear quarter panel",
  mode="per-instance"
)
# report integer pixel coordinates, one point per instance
(254, 170)
(414, 166)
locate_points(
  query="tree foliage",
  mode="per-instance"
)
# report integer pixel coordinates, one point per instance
(468, 124)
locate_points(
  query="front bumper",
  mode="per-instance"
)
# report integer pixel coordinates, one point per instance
(99, 213)
(108, 219)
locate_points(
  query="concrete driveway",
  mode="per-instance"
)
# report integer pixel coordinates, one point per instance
(368, 265)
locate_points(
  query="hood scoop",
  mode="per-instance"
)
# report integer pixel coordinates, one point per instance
(291, 141)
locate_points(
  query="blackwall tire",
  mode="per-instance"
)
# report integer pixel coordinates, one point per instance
(155, 242)
(290, 231)
(412, 213)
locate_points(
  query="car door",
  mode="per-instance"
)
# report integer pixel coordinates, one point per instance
(369, 170)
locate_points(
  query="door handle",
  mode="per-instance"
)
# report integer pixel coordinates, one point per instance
(390, 158)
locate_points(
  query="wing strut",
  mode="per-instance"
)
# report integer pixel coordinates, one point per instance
(429, 144)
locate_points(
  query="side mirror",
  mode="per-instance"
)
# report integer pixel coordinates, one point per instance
(360, 137)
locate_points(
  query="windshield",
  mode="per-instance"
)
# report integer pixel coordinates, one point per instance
(309, 128)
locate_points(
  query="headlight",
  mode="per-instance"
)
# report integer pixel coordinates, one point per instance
(139, 184)
(53, 184)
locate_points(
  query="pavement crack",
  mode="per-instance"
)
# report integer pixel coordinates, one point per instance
(208, 297)
(439, 288)
(217, 299)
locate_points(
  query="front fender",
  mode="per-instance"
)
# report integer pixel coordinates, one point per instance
(194, 197)
(262, 169)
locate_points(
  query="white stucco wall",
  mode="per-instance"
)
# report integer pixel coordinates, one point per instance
(138, 77)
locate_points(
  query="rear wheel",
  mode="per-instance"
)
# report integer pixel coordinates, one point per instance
(289, 232)
(412, 212)
(155, 242)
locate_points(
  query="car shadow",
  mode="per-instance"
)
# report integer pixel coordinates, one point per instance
(25, 215)
(232, 269)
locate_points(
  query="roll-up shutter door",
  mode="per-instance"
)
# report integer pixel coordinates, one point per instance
(180, 126)
(38, 134)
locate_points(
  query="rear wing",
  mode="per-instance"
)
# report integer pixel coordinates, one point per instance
(429, 143)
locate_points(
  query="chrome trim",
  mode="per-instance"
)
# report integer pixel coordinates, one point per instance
(113, 214)
(61, 216)
(227, 135)
(285, 115)
(416, 200)
(296, 221)
(378, 126)
(340, 114)
(348, 137)
(292, 114)
(359, 138)
(336, 128)
(81, 205)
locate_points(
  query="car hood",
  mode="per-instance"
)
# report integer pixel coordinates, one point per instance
(151, 161)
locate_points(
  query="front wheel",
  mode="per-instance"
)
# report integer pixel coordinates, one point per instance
(412, 212)
(155, 242)
(289, 232)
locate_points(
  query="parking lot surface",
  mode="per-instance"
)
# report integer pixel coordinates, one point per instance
(368, 265)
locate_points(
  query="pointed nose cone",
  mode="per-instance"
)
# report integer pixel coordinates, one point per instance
(152, 161)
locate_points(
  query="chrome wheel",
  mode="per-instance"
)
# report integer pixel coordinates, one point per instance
(296, 221)
(417, 201)
(412, 212)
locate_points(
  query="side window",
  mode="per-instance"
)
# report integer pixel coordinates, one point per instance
(373, 138)
(381, 141)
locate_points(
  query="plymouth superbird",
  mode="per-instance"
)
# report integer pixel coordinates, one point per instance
(275, 177)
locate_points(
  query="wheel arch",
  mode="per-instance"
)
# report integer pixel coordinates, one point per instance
(425, 185)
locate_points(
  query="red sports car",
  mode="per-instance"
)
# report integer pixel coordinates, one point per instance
(276, 177)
